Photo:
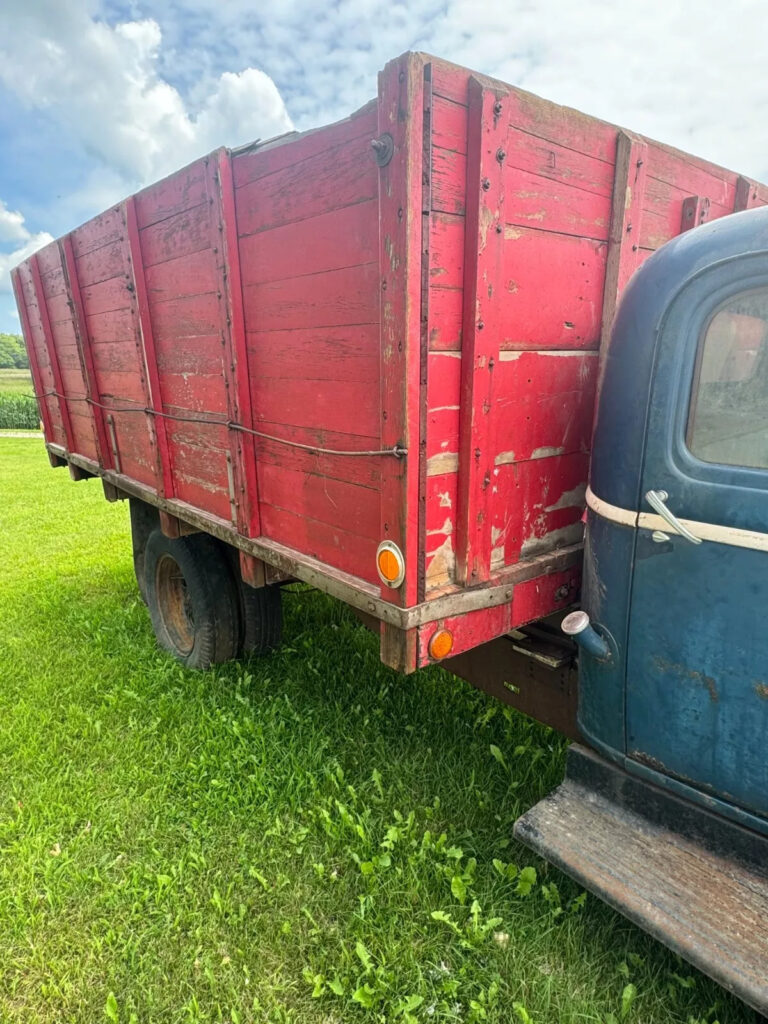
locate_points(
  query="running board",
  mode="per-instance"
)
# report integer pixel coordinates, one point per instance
(694, 881)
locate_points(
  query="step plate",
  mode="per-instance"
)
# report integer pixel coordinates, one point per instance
(700, 887)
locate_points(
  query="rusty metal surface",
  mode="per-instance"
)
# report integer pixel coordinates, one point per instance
(548, 695)
(696, 882)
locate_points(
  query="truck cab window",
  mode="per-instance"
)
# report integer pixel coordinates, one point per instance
(728, 419)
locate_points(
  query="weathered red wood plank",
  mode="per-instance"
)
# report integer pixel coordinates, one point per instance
(361, 471)
(538, 506)
(340, 548)
(442, 492)
(446, 251)
(332, 299)
(50, 345)
(220, 188)
(101, 264)
(347, 407)
(192, 274)
(114, 326)
(624, 254)
(200, 494)
(544, 403)
(179, 235)
(331, 353)
(59, 311)
(548, 158)
(537, 201)
(118, 356)
(37, 378)
(187, 317)
(295, 148)
(401, 106)
(199, 353)
(340, 504)
(481, 333)
(122, 387)
(85, 351)
(446, 312)
(553, 287)
(196, 392)
(100, 231)
(178, 192)
(145, 339)
(449, 124)
(107, 296)
(449, 181)
(330, 180)
(329, 241)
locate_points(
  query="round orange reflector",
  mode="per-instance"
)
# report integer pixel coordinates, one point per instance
(390, 563)
(441, 644)
(388, 566)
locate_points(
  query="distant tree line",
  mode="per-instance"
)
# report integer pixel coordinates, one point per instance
(13, 355)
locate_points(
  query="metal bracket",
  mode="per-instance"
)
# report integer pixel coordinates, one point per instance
(383, 149)
(695, 212)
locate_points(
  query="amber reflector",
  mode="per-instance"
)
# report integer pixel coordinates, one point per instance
(441, 644)
(388, 565)
(389, 562)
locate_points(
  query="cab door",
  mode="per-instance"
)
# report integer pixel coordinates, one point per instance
(697, 657)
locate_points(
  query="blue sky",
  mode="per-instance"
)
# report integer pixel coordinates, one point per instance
(98, 98)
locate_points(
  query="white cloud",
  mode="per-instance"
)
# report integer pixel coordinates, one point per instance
(689, 75)
(11, 225)
(102, 83)
(13, 229)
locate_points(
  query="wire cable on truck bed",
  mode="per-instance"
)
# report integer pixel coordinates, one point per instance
(398, 451)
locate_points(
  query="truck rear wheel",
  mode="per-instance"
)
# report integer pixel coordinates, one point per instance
(192, 599)
(262, 612)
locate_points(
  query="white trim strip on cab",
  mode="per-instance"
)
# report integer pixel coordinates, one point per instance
(650, 521)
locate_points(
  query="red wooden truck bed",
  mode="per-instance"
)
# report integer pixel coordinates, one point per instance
(312, 345)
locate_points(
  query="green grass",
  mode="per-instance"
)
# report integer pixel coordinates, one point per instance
(16, 382)
(308, 837)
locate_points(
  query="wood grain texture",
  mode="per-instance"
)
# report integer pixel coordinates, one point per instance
(85, 351)
(401, 93)
(481, 330)
(145, 339)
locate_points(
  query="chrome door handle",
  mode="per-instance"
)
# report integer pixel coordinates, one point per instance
(656, 500)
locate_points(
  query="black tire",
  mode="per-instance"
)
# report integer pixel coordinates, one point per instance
(192, 599)
(262, 617)
(144, 519)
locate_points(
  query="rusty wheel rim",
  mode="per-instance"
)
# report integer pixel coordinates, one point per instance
(175, 605)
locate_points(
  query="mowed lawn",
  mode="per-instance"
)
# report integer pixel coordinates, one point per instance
(308, 837)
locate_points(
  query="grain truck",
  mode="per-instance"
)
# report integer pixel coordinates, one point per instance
(481, 367)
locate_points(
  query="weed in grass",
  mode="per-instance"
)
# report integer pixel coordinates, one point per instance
(302, 838)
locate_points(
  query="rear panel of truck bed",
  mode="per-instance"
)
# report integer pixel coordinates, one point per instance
(313, 345)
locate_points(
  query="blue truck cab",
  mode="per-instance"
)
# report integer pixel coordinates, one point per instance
(665, 814)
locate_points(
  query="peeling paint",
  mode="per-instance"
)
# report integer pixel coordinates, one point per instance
(554, 539)
(575, 498)
(443, 531)
(441, 564)
(486, 220)
(511, 233)
(761, 690)
(444, 499)
(546, 452)
(444, 462)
